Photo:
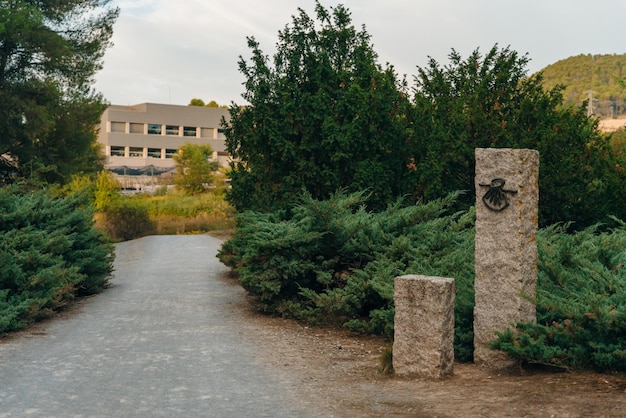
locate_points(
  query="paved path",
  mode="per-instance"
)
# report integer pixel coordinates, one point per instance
(160, 342)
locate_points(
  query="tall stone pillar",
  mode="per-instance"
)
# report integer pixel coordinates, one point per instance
(507, 195)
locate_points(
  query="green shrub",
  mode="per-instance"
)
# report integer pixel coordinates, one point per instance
(581, 302)
(127, 218)
(333, 261)
(107, 191)
(121, 218)
(50, 252)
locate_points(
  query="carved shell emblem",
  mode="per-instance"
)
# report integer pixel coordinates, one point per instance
(496, 198)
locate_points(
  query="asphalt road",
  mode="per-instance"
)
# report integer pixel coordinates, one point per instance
(160, 342)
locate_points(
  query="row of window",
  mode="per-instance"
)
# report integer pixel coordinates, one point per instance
(120, 151)
(158, 129)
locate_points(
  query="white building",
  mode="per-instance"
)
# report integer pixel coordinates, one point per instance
(142, 139)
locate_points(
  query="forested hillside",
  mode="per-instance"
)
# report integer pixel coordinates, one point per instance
(599, 77)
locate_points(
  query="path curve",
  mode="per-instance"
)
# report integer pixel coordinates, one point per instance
(162, 341)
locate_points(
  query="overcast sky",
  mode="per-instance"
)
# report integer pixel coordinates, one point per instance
(170, 51)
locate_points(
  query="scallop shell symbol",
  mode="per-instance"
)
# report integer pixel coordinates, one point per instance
(496, 197)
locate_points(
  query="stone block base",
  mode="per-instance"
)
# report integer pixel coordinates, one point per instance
(423, 326)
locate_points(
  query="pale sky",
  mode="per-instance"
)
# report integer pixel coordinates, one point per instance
(170, 51)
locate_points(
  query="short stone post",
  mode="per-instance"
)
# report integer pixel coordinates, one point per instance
(423, 326)
(507, 195)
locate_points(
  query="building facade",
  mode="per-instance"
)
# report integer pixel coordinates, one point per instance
(142, 139)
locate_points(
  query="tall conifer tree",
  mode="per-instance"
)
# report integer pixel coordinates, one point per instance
(323, 115)
(49, 53)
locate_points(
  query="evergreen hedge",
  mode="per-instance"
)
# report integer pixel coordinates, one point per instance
(581, 302)
(332, 261)
(50, 252)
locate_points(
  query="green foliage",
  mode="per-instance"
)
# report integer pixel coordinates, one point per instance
(581, 303)
(618, 143)
(333, 261)
(173, 212)
(178, 204)
(49, 52)
(122, 218)
(324, 116)
(49, 253)
(489, 102)
(194, 170)
(603, 75)
(200, 102)
(177, 213)
(107, 191)
(127, 219)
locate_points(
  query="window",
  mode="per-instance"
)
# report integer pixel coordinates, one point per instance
(135, 152)
(154, 129)
(172, 130)
(118, 127)
(117, 151)
(189, 131)
(154, 152)
(207, 132)
(220, 133)
(136, 128)
(169, 153)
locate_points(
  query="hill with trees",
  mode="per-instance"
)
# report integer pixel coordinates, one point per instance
(599, 78)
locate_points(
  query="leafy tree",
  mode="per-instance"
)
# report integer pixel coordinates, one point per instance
(49, 52)
(489, 101)
(194, 168)
(323, 116)
(200, 102)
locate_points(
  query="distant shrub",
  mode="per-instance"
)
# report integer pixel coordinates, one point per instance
(50, 252)
(618, 142)
(126, 219)
(165, 213)
(107, 191)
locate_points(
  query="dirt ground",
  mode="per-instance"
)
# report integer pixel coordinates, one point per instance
(338, 374)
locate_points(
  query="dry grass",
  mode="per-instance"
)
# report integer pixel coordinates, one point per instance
(203, 222)
(172, 214)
